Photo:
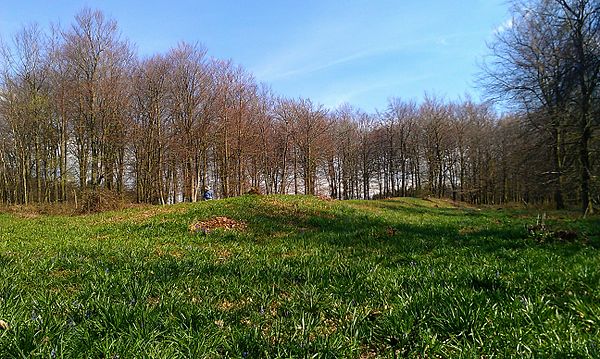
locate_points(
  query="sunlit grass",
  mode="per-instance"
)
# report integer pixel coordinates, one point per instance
(306, 276)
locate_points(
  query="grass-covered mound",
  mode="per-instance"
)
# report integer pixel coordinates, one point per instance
(283, 276)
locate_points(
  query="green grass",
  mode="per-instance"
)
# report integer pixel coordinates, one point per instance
(306, 278)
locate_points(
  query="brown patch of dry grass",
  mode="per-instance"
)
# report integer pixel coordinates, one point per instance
(328, 327)
(4, 325)
(61, 273)
(37, 210)
(468, 230)
(216, 223)
(153, 301)
(367, 353)
(222, 255)
(70, 289)
(220, 323)
(165, 250)
(227, 305)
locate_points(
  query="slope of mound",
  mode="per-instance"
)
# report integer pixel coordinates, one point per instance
(285, 276)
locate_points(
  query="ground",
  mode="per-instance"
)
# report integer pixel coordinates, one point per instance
(285, 276)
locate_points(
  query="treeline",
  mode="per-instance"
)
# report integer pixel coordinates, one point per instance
(546, 65)
(79, 110)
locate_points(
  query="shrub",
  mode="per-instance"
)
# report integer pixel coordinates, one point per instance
(254, 191)
(100, 200)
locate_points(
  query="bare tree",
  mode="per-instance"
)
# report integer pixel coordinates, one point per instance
(98, 62)
(25, 106)
(547, 63)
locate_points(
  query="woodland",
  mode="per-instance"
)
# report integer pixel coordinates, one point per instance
(81, 112)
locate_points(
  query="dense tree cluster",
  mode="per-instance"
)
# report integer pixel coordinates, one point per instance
(547, 65)
(79, 110)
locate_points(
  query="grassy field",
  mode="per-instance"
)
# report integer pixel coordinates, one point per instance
(300, 277)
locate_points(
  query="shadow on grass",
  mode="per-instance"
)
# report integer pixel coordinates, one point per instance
(353, 227)
(393, 225)
(361, 259)
(425, 208)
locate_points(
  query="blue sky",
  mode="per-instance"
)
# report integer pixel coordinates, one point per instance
(358, 52)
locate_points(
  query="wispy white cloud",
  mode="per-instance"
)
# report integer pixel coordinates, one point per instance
(287, 65)
(331, 42)
(506, 25)
(349, 92)
(443, 41)
(341, 59)
(335, 98)
(311, 56)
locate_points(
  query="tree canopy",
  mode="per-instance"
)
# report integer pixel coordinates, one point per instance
(80, 110)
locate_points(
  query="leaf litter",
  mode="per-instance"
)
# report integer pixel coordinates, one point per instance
(209, 225)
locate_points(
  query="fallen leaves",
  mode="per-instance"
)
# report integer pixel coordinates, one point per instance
(153, 301)
(325, 198)
(207, 226)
